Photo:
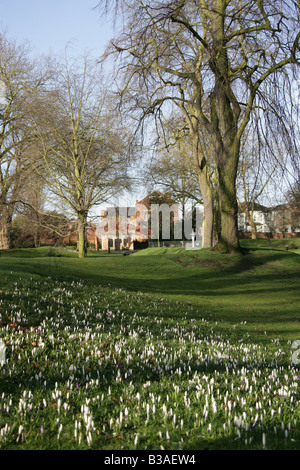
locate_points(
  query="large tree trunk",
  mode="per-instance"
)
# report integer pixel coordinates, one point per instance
(228, 238)
(225, 112)
(227, 147)
(228, 241)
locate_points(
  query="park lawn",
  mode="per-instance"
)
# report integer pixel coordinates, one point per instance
(163, 349)
(260, 289)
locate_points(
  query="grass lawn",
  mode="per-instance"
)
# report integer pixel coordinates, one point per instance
(261, 287)
(165, 348)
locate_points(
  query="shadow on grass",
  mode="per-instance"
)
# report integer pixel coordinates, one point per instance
(221, 282)
(261, 286)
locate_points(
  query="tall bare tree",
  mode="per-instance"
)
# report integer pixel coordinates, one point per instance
(79, 140)
(293, 201)
(171, 168)
(255, 173)
(216, 61)
(20, 78)
(174, 173)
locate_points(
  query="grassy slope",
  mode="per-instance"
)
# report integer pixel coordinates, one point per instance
(260, 288)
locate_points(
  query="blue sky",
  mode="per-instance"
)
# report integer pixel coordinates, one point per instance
(49, 25)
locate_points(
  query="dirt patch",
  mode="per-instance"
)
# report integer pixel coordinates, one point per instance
(209, 263)
(187, 263)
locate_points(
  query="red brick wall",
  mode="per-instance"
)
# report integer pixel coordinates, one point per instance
(267, 235)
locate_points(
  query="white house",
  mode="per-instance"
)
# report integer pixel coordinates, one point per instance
(277, 219)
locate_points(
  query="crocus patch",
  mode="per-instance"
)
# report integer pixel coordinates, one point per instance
(102, 368)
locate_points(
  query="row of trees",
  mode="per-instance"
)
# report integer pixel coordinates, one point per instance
(213, 78)
(63, 147)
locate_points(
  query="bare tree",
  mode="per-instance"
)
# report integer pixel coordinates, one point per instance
(79, 140)
(216, 61)
(172, 170)
(255, 173)
(20, 78)
(30, 207)
(293, 202)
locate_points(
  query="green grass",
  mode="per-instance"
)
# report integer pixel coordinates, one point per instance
(274, 244)
(261, 287)
(164, 348)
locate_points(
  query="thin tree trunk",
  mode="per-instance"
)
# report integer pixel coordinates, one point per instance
(81, 236)
(250, 218)
(208, 223)
(37, 231)
(253, 229)
(5, 232)
(206, 192)
(36, 238)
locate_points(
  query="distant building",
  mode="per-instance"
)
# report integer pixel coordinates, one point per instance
(277, 222)
(127, 227)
